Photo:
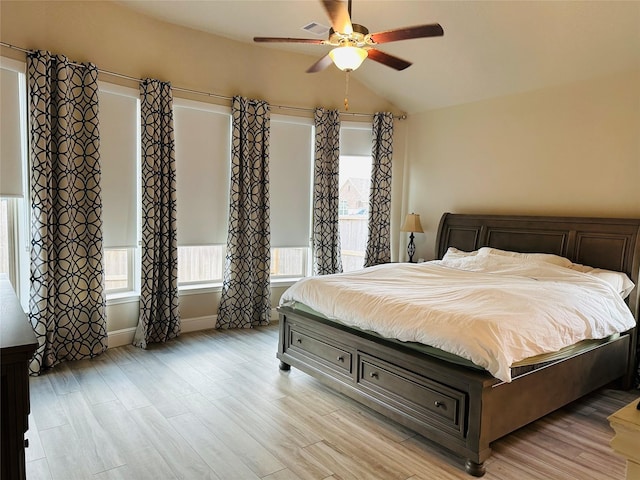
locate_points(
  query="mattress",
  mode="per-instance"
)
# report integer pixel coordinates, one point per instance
(518, 368)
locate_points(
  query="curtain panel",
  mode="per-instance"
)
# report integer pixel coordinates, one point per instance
(67, 298)
(246, 293)
(159, 318)
(637, 377)
(326, 228)
(379, 237)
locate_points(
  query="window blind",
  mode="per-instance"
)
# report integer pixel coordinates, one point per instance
(290, 180)
(203, 158)
(119, 117)
(13, 126)
(356, 139)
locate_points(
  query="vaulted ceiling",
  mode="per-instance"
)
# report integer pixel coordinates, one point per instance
(489, 48)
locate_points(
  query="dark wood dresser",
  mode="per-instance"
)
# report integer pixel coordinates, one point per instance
(17, 344)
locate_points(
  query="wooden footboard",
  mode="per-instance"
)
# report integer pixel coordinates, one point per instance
(462, 409)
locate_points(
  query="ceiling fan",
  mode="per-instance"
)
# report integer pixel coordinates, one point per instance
(353, 43)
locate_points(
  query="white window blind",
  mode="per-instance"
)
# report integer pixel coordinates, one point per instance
(290, 180)
(356, 139)
(12, 126)
(119, 117)
(203, 158)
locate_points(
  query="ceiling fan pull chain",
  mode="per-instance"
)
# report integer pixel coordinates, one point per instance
(346, 94)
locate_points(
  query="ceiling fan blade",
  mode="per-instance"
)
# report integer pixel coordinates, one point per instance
(288, 40)
(388, 60)
(419, 31)
(321, 64)
(339, 15)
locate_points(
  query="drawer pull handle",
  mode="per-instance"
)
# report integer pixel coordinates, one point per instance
(439, 404)
(299, 340)
(341, 358)
(373, 374)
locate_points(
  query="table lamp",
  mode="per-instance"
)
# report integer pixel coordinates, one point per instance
(412, 224)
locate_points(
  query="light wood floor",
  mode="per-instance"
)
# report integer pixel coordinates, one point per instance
(214, 405)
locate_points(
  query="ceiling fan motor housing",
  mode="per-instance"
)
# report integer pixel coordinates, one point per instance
(359, 38)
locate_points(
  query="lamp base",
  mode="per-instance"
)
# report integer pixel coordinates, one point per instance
(411, 248)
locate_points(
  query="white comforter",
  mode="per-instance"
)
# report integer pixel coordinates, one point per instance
(493, 311)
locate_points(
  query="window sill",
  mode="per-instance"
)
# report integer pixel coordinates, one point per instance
(285, 282)
(194, 289)
(199, 288)
(122, 297)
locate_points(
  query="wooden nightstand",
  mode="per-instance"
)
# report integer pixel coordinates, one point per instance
(626, 423)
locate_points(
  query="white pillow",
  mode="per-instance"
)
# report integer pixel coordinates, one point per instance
(528, 257)
(618, 280)
(453, 254)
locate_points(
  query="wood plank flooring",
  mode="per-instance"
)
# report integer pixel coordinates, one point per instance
(214, 405)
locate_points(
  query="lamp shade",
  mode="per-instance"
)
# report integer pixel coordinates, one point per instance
(348, 58)
(412, 224)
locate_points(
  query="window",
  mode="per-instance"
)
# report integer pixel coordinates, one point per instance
(203, 157)
(120, 166)
(6, 234)
(355, 184)
(14, 246)
(289, 262)
(201, 264)
(118, 269)
(290, 177)
(14, 236)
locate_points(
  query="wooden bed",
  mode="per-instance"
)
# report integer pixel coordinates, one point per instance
(461, 408)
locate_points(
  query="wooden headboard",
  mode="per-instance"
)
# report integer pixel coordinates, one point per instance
(610, 243)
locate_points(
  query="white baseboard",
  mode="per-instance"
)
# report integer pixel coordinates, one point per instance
(198, 323)
(118, 338)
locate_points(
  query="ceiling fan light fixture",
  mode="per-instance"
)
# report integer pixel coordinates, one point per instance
(348, 58)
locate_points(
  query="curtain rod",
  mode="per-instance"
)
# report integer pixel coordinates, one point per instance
(208, 94)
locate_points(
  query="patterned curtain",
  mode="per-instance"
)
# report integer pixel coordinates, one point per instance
(326, 227)
(159, 318)
(246, 296)
(379, 240)
(636, 382)
(67, 299)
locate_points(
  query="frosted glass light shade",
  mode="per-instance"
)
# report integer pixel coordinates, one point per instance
(348, 58)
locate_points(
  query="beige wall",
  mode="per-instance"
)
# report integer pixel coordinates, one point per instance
(570, 150)
(119, 40)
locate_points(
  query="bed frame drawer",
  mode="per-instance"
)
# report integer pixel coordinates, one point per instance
(320, 350)
(414, 395)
